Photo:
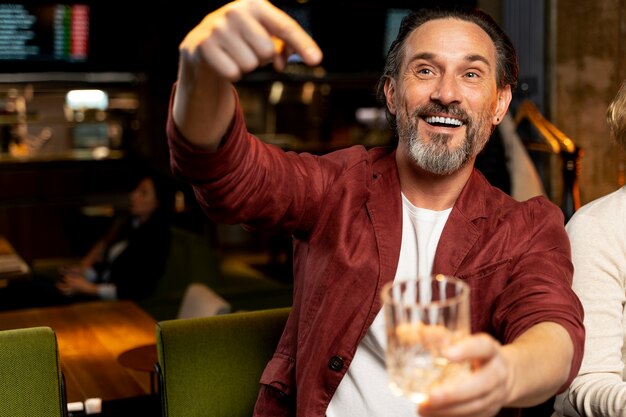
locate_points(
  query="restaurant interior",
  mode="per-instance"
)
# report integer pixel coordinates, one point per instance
(84, 93)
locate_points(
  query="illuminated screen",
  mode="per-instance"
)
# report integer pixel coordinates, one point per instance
(392, 25)
(56, 32)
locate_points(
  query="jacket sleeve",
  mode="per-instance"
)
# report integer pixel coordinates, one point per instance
(540, 282)
(250, 182)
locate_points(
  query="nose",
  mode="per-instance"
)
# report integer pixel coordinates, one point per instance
(446, 90)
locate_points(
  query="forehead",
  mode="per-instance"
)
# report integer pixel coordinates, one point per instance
(146, 184)
(451, 37)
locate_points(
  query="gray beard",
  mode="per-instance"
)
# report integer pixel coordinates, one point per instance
(435, 156)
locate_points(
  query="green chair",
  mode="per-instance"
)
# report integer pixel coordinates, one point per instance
(31, 382)
(191, 259)
(211, 366)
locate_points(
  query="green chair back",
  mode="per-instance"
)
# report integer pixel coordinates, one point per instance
(211, 366)
(191, 259)
(31, 383)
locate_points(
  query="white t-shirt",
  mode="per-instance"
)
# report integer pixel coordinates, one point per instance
(364, 390)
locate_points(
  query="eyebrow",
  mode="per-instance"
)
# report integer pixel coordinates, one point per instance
(423, 55)
(477, 57)
(468, 58)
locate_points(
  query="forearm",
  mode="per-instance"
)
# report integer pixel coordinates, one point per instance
(539, 363)
(203, 106)
(598, 394)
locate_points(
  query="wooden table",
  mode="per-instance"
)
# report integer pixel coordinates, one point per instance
(91, 336)
(12, 266)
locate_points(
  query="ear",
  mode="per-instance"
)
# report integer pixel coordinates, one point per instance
(502, 106)
(390, 94)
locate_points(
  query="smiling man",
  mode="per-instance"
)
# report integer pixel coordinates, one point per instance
(361, 218)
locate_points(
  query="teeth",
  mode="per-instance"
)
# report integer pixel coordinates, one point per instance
(444, 120)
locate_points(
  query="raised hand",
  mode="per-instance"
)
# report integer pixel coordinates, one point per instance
(243, 35)
(228, 43)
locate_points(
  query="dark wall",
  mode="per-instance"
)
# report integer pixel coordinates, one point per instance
(143, 38)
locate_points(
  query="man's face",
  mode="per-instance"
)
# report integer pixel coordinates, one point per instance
(446, 99)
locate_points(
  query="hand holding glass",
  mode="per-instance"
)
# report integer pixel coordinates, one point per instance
(423, 316)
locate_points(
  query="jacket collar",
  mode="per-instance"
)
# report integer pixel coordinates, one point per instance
(459, 235)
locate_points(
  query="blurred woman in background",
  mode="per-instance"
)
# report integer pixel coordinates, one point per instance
(126, 263)
(128, 260)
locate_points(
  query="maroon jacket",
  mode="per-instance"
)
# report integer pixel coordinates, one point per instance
(344, 212)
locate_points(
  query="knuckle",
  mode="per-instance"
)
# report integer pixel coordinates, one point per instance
(265, 50)
(284, 29)
(249, 65)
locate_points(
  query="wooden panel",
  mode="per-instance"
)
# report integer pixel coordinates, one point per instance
(40, 202)
(590, 65)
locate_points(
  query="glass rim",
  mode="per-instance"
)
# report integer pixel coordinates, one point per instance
(464, 294)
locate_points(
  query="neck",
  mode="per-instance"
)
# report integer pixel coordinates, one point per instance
(427, 190)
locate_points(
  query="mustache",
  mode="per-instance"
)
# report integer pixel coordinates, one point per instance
(434, 107)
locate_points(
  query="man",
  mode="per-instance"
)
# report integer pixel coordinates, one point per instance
(356, 215)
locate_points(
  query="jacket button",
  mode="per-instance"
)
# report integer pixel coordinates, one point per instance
(336, 363)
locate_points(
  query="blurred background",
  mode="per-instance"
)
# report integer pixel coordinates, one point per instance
(84, 93)
(84, 90)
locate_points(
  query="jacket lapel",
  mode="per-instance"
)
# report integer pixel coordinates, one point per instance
(384, 206)
(460, 233)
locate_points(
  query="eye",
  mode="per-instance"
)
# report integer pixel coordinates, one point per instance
(424, 73)
(472, 75)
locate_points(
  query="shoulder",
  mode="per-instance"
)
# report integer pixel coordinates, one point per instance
(608, 205)
(356, 159)
(538, 216)
(601, 216)
(501, 205)
(358, 153)
(539, 206)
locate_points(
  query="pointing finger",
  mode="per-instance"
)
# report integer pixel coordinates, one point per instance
(282, 26)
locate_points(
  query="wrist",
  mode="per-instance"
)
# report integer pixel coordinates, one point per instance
(511, 390)
(107, 291)
(202, 119)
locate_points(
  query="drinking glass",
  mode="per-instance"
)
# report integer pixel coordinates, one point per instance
(423, 316)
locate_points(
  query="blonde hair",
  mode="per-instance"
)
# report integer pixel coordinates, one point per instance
(616, 116)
